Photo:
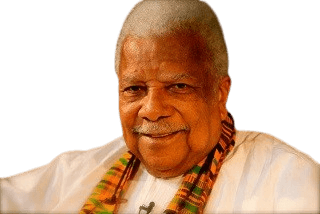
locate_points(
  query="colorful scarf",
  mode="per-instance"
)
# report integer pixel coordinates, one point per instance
(192, 194)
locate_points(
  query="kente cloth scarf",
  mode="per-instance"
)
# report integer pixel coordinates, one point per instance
(192, 194)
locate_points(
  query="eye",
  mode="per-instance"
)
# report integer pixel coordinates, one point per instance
(180, 86)
(133, 88)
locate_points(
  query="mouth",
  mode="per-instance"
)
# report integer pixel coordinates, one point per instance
(160, 135)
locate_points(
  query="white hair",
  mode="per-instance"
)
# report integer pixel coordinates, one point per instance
(162, 17)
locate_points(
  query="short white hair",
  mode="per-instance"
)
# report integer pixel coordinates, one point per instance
(161, 17)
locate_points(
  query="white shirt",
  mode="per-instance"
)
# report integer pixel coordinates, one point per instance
(261, 174)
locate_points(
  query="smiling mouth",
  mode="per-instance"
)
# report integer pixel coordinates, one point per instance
(160, 135)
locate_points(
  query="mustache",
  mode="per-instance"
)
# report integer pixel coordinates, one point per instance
(159, 128)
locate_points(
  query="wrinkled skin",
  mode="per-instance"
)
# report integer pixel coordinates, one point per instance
(170, 113)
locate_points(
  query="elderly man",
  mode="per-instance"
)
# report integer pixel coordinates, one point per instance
(180, 152)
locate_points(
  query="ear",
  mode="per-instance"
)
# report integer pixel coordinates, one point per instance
(224, 88)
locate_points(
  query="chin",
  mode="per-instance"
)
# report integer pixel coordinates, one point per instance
(165, 168)
(164, 173)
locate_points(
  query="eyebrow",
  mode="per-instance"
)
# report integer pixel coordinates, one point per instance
(130, 78)
(176, 77)
(182, 76)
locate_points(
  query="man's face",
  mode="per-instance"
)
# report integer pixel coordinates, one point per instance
(170, 114)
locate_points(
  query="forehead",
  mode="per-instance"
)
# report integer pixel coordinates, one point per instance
(169, 54)
(177, 46)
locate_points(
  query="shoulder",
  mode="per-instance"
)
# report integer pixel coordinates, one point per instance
(264, 150)
(267, 146)
(262, 163)
(95, 156)
(71, 172)
(71, 159)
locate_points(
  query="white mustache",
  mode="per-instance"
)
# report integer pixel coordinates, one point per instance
(160, 128)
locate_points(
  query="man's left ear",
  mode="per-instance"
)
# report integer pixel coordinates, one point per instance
(224, 88)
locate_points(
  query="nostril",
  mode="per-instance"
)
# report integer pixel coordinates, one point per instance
(154, 120)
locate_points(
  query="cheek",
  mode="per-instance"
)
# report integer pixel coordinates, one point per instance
(126, 120)
(205, 128)
(199, 139)
(128, 113)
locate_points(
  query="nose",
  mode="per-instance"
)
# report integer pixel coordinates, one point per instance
(154, 106)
